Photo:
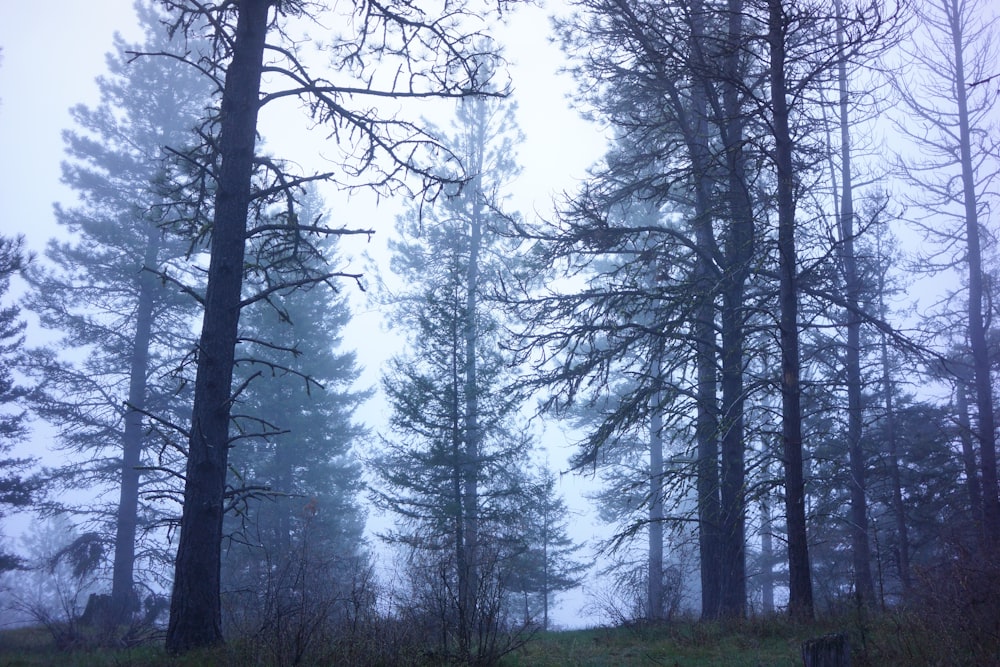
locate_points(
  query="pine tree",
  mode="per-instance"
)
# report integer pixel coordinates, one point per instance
(547, 562)
(113, 293)
(435, 57)
(295, 477)
(16, 490)
(453, 457)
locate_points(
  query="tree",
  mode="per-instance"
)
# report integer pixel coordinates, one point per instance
(671, 79)
(797, 60)
(547, 562)
(383, 152)
(16, 490)
(112, 296)
(296, 477)
(852, 358)
(452, 466)
(951, 123)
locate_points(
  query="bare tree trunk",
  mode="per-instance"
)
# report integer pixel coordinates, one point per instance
(122, 578)
(860, 547)
(800, 600)
(977, 326)
(656, 517)
(767, 558)
(739, 249)
(195, 609)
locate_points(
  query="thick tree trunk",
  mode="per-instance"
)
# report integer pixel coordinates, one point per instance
(800, 602)
(859, 503)
(123, 602)
(195, 609)
(739, 250)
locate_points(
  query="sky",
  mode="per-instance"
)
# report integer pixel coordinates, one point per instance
(52, 52)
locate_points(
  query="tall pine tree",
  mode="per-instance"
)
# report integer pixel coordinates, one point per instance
(111, 292)
(454, 454)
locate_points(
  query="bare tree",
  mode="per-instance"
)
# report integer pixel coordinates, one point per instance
(951, 121)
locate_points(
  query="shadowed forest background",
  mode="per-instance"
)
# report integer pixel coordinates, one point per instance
(295, 374)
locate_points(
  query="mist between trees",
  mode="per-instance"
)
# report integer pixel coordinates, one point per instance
(730, 314)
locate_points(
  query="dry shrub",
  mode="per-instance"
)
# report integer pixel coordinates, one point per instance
(952, 617)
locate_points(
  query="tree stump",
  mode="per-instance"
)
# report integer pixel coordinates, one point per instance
(827, 651)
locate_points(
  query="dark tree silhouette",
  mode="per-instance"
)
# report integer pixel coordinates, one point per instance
(437, 57)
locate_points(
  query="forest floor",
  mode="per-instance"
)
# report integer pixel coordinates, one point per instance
(884, 641)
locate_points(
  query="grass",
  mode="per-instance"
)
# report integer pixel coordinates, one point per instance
(888, 640)
(685, 644)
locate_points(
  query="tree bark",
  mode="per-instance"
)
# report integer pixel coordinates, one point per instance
(655, 571)
(710, 513)
(800, 602)
(195, 608)
(738, 249)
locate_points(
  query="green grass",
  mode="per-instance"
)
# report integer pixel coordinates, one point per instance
(686, 644)
(35, 647)
(883, 641)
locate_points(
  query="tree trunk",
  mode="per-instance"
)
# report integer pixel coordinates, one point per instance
(123, 602)
(971, 466)
(766, 558)
(977, 327)
(710, 518)
(859, 504)
(195, 609)
(655, 572)
(739, 248)
(800, 602)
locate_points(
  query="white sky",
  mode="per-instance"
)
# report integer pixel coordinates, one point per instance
(53, 51)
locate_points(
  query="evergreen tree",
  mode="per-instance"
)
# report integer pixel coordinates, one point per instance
(113, 293)
(451, 469)
(16, 490)
(294, 475)
(953, 175)
(547, 562)
(436, 56)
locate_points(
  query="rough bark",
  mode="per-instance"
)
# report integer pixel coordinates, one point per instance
(656, 515)
(800, 602)
(195, 612)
